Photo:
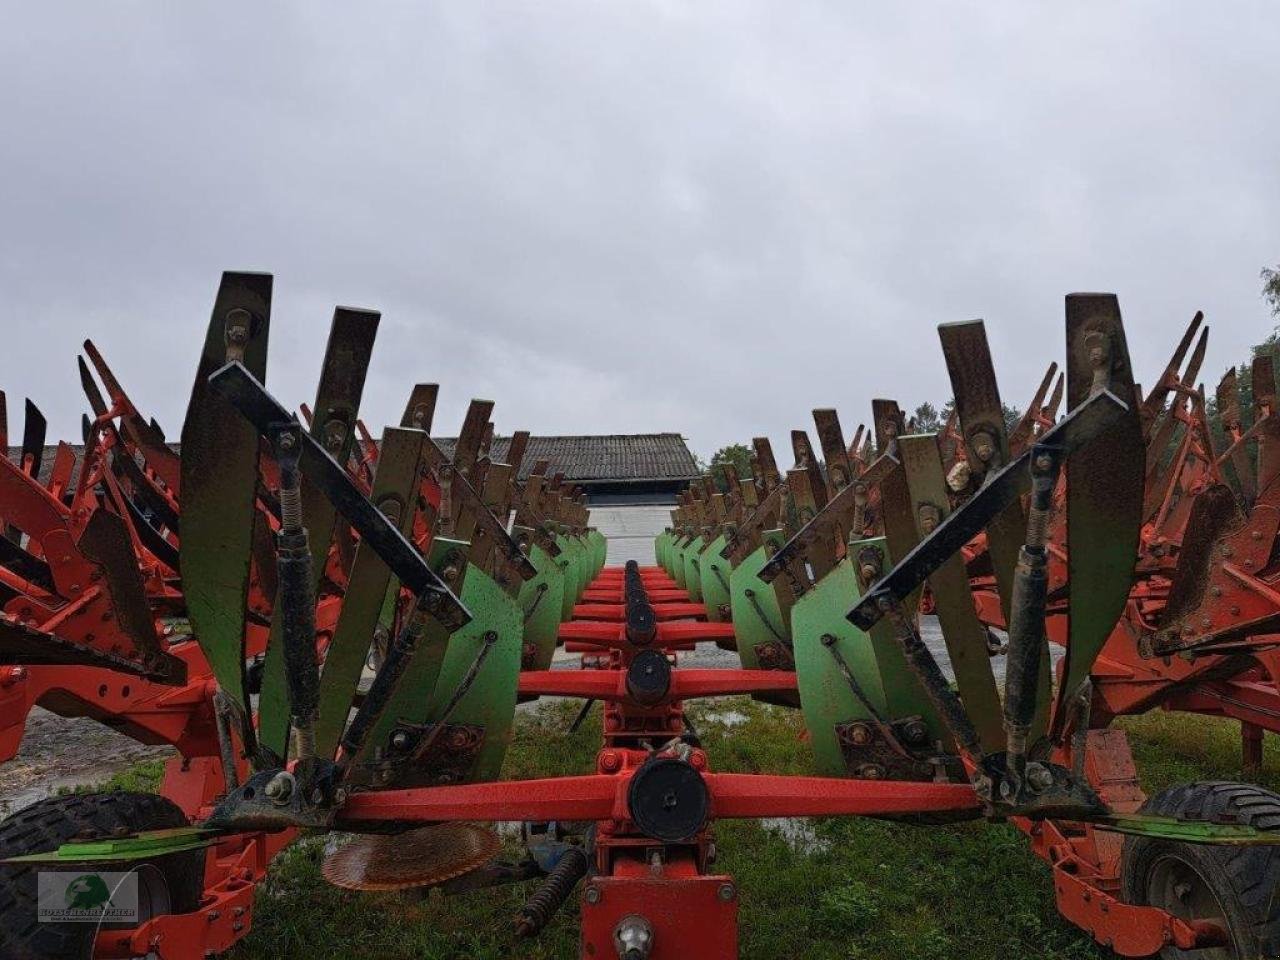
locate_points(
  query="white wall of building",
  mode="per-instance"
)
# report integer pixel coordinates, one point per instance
(630, 530)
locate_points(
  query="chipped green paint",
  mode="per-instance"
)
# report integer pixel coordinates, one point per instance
(678, 549)
(411, 699)
(219, 485)
(600, 548)
(1104, 494)
(693, 569)
(715, 580)
(570, 561)
(903, 695)
(394, 486)
(586, 562)
(825, 694)
(490, 702)
(341, 384)
(541, 601)
(963, 632)
(661, 546)
(757, 618)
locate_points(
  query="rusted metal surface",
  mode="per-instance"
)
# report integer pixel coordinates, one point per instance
(426, 857)
(220, 481)
(1104, 490)
(965, 636)
(338, 393)
(980, 413)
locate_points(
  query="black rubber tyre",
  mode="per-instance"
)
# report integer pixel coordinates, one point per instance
(170, 884)
(1236, 886)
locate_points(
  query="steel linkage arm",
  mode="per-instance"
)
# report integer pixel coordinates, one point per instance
(262, 410)
(686, 684)
(604, 797)
(1089, 420)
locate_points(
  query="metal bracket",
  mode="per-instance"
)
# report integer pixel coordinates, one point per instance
(262, 410)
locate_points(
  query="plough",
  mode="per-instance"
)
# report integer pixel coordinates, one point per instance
(334, 633)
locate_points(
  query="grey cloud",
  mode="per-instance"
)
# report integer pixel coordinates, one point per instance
(630, 217)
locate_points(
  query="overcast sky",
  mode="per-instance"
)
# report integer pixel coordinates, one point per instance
(610, 217)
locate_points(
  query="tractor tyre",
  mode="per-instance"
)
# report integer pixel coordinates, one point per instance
(170, 884)
(1237, 887)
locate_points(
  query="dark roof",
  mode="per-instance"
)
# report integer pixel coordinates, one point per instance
(603, 457)
(585, 459)
(46, 463)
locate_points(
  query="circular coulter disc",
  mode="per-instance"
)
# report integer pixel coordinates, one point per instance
(419, 858)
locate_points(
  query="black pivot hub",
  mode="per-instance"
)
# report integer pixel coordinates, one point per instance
(642, 621)
(642, 624)
(668, 799)
(649, 678)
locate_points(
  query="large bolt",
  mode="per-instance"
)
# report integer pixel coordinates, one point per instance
(984, 446)
(958, 476)
(279, 788)
(929, 517)
(915, 731)
(335, 434)
(1039, 777)
(633, 938)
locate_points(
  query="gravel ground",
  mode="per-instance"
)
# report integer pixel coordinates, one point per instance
(58, 753)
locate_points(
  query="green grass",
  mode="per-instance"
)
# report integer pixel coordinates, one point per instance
(142, 777)
(851, 889)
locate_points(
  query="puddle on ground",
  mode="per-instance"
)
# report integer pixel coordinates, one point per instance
(726, 718)
(798, 832)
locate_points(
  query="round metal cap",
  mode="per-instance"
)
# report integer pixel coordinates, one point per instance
(668, 799)
(642, 624)
(649, 677)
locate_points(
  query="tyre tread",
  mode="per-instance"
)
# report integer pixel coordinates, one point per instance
(47, 824)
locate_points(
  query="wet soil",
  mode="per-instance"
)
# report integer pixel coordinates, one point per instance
(61, 753)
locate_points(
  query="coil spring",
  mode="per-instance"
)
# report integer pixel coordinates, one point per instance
(553, 892)
(290, 508)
